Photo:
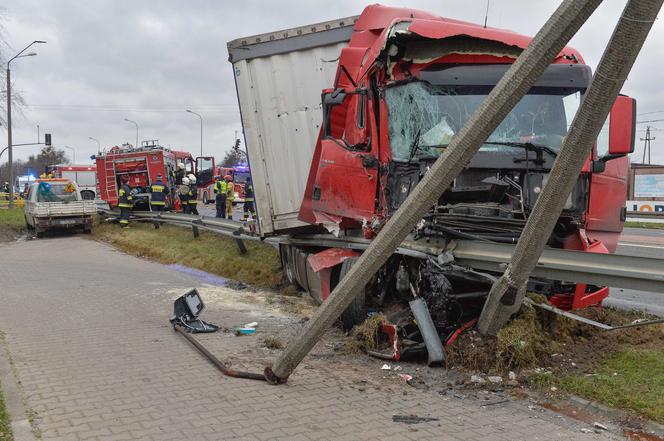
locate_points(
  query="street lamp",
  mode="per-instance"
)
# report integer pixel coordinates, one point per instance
(73, 153)
(136, 124)
(98, 143)
(189, 111)
(9, 118)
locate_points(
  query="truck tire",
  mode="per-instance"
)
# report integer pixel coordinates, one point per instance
(27, 224)
(87, 195)
(356, 313)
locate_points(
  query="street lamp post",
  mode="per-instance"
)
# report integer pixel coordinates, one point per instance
(98, 143)
(9, 119)
(73, 153)
(136, 124)
(190, 111)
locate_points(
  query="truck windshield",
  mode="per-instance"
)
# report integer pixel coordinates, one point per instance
(56, 192)
(423, 117)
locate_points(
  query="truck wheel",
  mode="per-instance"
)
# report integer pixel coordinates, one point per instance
(27, 224)
(356, 313)
(39, 233)
(87, 195)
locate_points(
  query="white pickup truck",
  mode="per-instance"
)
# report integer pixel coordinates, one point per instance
(57, 203)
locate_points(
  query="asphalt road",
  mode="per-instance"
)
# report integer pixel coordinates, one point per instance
(645, 243)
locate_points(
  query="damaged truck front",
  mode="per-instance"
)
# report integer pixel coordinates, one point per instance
(405, 82)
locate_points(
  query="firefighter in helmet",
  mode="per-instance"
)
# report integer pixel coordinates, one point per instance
(183, 194)
(180, 174)
(249, 206)
(125, 202)
(193, 195)
(230, 196)
(158, 192)
(220, 197)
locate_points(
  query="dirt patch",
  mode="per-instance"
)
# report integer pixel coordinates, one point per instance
(536, 339)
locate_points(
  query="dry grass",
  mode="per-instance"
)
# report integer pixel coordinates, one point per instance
(216, 254)
(363, 337)
(273, 342)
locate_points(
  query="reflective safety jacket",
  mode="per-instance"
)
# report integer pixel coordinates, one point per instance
(124, 197)
(159, 192)
(248, 192)
(193, 195)
(220, 188)
(230, 191)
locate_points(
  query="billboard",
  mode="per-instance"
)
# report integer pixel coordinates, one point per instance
(646, 206)
(649, 186)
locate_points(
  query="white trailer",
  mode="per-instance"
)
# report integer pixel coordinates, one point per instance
(279, 78)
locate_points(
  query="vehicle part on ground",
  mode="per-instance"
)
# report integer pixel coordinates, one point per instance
(588, 321)
(185, 321)
(186, 310)
(629, 35)
(549, 41)
(435, 350)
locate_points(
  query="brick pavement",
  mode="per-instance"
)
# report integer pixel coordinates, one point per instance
(87, 329)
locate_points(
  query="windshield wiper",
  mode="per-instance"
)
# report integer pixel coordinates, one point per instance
(415, 146)
(528, 146)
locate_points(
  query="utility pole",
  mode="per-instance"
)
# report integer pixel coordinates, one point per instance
(9, 119)
(646, 145)
(201, 118)
(136, 124)
(98, 143)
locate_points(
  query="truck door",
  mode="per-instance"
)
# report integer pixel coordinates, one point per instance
(204, 171)
(347, 176)
(608, 187)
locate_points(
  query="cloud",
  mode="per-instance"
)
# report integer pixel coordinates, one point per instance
(148, 61)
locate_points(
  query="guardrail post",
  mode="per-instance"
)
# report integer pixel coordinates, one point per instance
(544, 47)
(628, 37)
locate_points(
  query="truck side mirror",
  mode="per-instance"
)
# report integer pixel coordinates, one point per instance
(622, 126)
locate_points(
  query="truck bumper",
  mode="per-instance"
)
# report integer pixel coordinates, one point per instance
(63, 222)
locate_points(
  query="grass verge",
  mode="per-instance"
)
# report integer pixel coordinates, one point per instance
(650, 225)
(5, 425)
(211, 252)
(632, 379)
(12, 223)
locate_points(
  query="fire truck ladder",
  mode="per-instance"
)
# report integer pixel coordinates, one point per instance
(111, 186)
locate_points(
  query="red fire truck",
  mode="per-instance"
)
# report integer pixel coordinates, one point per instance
(142, 166)
(84, 175)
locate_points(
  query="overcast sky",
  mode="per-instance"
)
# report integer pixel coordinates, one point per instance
(149, 60)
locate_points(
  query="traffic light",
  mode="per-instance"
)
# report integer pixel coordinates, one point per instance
(47, 139)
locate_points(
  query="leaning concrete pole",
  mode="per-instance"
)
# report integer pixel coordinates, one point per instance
(508, 292)
(544, 47)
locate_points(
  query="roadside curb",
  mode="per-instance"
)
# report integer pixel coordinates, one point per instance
(18, 415)
(613, 414)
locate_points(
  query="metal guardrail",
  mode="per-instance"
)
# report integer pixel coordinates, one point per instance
(640, 273)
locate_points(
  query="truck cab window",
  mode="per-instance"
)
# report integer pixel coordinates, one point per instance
(344, 117)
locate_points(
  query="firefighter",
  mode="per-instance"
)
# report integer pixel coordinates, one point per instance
(125, 202)
(193, 195)
(180, 174)
(183, 194)
(249, 206)
(220, 198)
(158, 193)
(230, 196)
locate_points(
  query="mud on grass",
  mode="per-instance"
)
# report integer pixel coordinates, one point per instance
(216, 254)
(12, 224)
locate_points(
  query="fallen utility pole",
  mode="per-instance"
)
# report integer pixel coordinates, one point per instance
(508, 291)
(548, 42)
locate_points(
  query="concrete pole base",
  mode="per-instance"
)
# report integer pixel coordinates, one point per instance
(503, 301)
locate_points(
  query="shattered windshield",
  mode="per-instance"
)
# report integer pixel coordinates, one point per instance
(56, 192)
(423, 117)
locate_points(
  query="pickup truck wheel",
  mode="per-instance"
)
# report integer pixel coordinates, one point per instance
(27, 224)
(39, 233)
(356, 313)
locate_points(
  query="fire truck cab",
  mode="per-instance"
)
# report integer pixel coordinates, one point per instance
(141, 166)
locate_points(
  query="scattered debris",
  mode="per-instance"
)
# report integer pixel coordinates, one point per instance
(496, 402)
(245, 331)
(251, 325)
(554, 388)
(584, 430)
(600, 426)
(412, 419)
(407, 378)
(477, 379)
(273, 342)
(511, 376)
(495, 379)
(386, 367)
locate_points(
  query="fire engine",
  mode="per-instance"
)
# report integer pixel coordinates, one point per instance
(85, 177)
(142, 166)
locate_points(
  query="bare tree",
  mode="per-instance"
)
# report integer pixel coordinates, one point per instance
(17, 98)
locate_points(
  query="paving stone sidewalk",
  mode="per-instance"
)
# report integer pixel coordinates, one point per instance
(87, 330)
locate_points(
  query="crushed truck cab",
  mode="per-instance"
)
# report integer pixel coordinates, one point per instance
(357, 110)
